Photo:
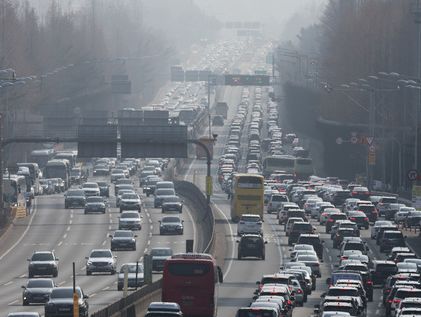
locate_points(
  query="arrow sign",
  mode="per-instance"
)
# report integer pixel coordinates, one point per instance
(370, 140)
(412, 175)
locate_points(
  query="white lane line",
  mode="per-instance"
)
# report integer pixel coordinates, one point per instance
(109, 227)
(61, 283)
(71, 215)
(22, 276)
(146, 251)
(231, 240)
(60, 243)
(151, 227)
(105, 288)
(83, 268)
(14, 302)
(92, 295)
(111, 221)
(8, 283)
(105, 242)
(380, 304)
(68, 228)
(70, 221)
(150, 221)
(65, 236)
(22, 236)
(148, 243)
(195, 233)
(377, 311)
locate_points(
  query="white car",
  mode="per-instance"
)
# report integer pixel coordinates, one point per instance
(275, 202)
(377, 225)
(101, 260)
(400, 216)
(249, 223)
(91, 189)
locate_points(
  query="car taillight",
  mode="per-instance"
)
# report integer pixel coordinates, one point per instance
(344, 257)
(330, 220)
(396, 301)
(389, 301)
(242, 222)
(366, 219)
(354, 193)
(387, 291)
(369, 282)
(352, 218)
(289, 302)
(324, 214)
(300, 291)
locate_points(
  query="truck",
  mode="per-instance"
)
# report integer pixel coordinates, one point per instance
(221, 109)
(200, 152)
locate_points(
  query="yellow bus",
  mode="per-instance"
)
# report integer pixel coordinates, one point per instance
(247, 195)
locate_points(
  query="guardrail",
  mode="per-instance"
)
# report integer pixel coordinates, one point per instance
(203, 217)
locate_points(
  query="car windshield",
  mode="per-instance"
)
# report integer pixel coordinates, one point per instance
(101, 254)
(306, 258)
(172, 199)
(102, 184)
(90, 185)
(123, 234)
(361, 268)
(130, 215)
(250, 218)
(393, 235)
(171, 219)
(342, 292)
(165, 192)
(40, 283)
(75, 193)
(64, 292)
(129, 196)
(161, 252)
(131, 268)
(302, 226)
(95, 200)
(42, 257)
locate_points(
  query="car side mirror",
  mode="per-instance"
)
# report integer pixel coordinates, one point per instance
(323, 241)
(238, 241)
(328, 281)
(135, 236)
(57, 259)
(23, 286)
(336, 265)
(28, 259)
(266, 242)
(255, 297)
(220, 275)
(110, 235)
(323, 295)
(86, 257)
(317, 306)
(85, 296)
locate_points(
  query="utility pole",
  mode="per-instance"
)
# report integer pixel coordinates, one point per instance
(2, 210)
(416, 11)
(209, 106)
(371, 124)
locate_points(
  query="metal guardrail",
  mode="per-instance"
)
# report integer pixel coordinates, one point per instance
(203, 217)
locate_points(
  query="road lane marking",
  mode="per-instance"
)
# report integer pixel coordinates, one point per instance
(60, 243)
(8, 283)
(232, 241)
(61, 283)
(92, 295)
(105, 241)
(65, 236)
(68, 228)
(146, 250)
(14, 302)
(22, 236)
(106, 288)
(70, 222)
(22, 276)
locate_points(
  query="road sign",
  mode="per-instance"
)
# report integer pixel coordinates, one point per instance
(412, 175)
(354, 139)
(247, 80)
(371, 158)
(97, 141)
(339, 141)
(209, 185)
(370, 140)
(153, 141)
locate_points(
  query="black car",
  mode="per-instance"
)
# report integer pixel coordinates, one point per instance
(159, 255)
(339, 197)
(150, 185)
(171, 225)
(60, 303)
(104, 189)
(74, 198)
(251, 245)
(391, 239)
(43, 263)
(382, 270)
(95, 204)
(172, 203)
(359, 218)
(314, 240)
(37, 290)
(381, 231)
(123, 240)
(297, 229)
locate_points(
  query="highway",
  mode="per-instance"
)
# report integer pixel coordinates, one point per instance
(72, 235)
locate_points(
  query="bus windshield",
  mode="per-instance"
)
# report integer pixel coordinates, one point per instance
(249, 182)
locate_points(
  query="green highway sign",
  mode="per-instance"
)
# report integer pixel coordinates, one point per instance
(247, 80)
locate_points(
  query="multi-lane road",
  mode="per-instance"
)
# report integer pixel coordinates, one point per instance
(72, 235)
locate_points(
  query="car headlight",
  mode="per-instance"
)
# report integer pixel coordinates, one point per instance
(89, 263)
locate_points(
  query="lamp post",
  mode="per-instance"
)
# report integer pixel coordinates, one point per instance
(416, 11)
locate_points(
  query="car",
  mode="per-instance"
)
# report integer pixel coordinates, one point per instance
(101, 260)
(370, 210)
(95, 204)
(130, 220)
(360, 192)
(251, 245)
(150, 184)
(123, 240)
(384, 203)
(311, 261)
(101, 170)
(74, 198)
(390, 210)
(135, 275)
(340, 234)
(104, 189)
(120, 193)
(130, 201)
(360, 218)
(377, 225)
(164, 309)
(391, 239)
(275, 202)
(24, 314)
(332, 218)
(249, 223)
(402, 213)
(37, 290)
(290, 222)
(91, 189)
(171, 225)
(43, 263)
(300, 247)
(160, 193)
(159, 255)
(172, 203)
(299, 228)
(313, 240)
(60, 303)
